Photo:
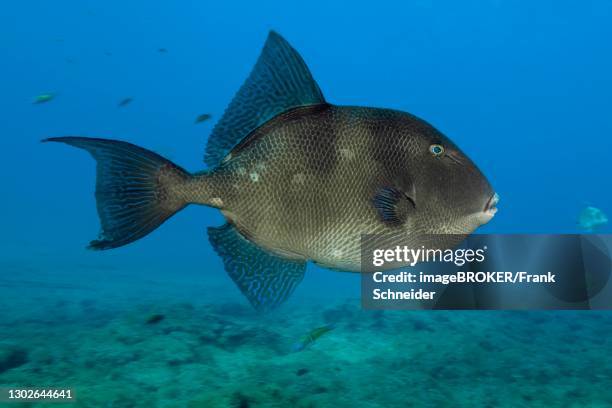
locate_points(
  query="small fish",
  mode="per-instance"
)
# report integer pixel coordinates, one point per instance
(156, 318)
(202, 118)
(311, 337)
(298, 179)
(162, 50)
(44, 98)
(125, 102)
(591, 218)
(108, 53)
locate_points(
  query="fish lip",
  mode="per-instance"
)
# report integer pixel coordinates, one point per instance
(491, 205)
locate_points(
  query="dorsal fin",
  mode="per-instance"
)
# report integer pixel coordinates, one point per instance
(279, 81)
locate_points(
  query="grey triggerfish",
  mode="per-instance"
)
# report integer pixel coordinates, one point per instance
(297, 178)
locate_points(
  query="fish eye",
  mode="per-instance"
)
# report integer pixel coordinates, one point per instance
(436, 149)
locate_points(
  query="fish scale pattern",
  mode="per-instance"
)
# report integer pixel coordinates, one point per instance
(304, 185)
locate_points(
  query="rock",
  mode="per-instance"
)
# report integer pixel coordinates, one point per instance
(12, 356)
(155, 318)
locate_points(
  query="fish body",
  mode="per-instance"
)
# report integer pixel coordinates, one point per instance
(124, 102)
(298, 179)
(304, 184)
(311, 337)
(591, 218)
(202, 118)
(44, 98)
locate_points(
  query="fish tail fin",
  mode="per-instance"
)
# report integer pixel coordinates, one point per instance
(136, 189)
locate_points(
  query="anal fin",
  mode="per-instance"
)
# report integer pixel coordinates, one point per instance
(265, 279)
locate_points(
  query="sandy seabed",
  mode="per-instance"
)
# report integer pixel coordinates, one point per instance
(225, 355)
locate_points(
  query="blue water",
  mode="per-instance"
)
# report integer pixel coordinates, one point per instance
(522, 87)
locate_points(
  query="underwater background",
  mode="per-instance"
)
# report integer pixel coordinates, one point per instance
(522, 87)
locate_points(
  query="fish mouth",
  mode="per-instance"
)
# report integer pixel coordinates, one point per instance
(490, 207)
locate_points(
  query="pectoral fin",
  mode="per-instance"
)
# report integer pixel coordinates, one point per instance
(265, 279)
(394, 205)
